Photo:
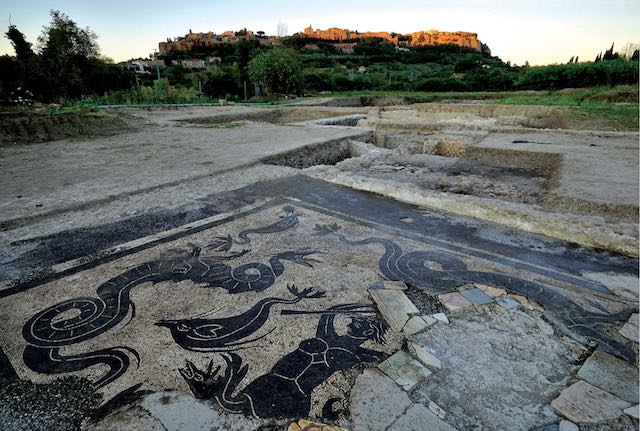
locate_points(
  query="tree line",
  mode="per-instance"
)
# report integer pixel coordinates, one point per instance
(67, 65)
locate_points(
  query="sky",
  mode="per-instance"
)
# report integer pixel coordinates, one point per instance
(540, 32)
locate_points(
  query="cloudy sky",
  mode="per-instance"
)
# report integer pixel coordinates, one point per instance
(541, 32)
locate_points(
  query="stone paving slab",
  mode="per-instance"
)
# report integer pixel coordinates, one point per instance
(376, 401)
(394, 305)
(612, 375)
(454, 301)
(630, 331)
(491, 291)
(582, 402)
(414, 325)
(476, 296)
(507, 302)
(633, 411)
(419, 418)
(404, 370)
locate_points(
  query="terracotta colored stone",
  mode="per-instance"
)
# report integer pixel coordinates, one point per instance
(454, 301)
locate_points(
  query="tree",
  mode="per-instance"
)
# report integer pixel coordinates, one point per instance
(277, 71)
(63, 37)
(20, 45)
(67, 64)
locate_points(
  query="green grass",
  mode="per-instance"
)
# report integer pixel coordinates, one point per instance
(606, 107)
(609, 107)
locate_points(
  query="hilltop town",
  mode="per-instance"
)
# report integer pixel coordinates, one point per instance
(346, 38)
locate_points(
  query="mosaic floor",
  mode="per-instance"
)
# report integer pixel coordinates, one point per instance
(265, 309)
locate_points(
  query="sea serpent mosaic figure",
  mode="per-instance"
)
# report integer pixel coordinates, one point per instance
(413, 269)
(46, 332)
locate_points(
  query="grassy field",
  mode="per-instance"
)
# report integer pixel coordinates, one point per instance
(611, 108)
(605, 108)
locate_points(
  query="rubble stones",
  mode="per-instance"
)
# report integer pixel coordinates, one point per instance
(437, 410)
(567, 426)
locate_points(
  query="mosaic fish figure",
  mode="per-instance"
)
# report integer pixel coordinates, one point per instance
(221, 334)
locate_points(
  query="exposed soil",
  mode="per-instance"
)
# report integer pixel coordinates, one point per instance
(275, 116)
(21, 128)
(453, 175)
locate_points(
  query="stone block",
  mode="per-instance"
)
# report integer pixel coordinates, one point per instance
(630, 331)
(375, 401)
(454, 301)
(582, 402)
(440, 317)
(476, 296)
(419, 418)
(612, 375)
(526, 303)
(178, 411)
(414, 325)
(437, 410)
(429, 320)
(493, 292)
(567, 426)
(394, 306)
(425, 357)
(507, 302)
(395, 285)
(404, 370)
(633, 411)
